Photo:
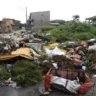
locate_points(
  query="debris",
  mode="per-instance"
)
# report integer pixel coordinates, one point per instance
(64, 66)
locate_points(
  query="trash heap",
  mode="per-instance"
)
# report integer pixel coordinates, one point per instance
(63, 62)
(17, 62)
(65, 68)
(69, 71)
(91, 61)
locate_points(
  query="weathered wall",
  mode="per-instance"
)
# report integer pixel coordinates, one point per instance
(40, 18)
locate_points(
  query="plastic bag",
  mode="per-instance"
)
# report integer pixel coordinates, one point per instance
(85, 87)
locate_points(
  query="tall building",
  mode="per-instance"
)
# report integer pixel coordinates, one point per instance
(38, 19)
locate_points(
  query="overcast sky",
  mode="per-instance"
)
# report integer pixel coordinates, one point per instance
(60, 9)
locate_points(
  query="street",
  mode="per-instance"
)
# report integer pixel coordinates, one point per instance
(4, 35)
(33, 91)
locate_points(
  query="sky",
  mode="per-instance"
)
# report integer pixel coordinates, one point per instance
(59, 9)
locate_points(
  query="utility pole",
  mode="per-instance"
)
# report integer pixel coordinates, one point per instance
(25, 10)
(26, 19)
(26, 15)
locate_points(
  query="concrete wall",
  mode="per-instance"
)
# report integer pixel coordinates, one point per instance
(12, 24)
(40, 18)
(8, 23)
(4, 28)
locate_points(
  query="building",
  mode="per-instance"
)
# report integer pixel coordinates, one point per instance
(11, 24)
(54, 24)
(16, 24)
(38, 19)
(3, 27)
(91, 20)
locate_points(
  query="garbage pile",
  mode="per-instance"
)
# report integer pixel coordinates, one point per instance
(65, 68)
(10, 83)
(69, 71)
(91, 61)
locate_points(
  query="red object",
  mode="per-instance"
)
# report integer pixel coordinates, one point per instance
(47, 81)
(5, 83)
(77, 60)
(85, 87)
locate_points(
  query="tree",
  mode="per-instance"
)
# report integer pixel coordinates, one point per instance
(71, 30)
(76, 18)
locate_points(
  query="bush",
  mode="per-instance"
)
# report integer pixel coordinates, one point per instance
(82, 36)
(59, 35)
(71, 31)
(4, 74)
(47, 28)
(26, 73)
(91, 60)
(43, 57)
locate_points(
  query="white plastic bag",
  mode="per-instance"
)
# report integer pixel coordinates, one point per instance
(53, 52)
(48, 52)
(14, 84)
(55, 65)
(57, 51)
(72, 86)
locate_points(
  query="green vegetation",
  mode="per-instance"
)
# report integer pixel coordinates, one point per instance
(58, 21)
(70, 30)
(76, 18)
(4, 73)
(26, 73)
(91, 60)
(47, 28)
